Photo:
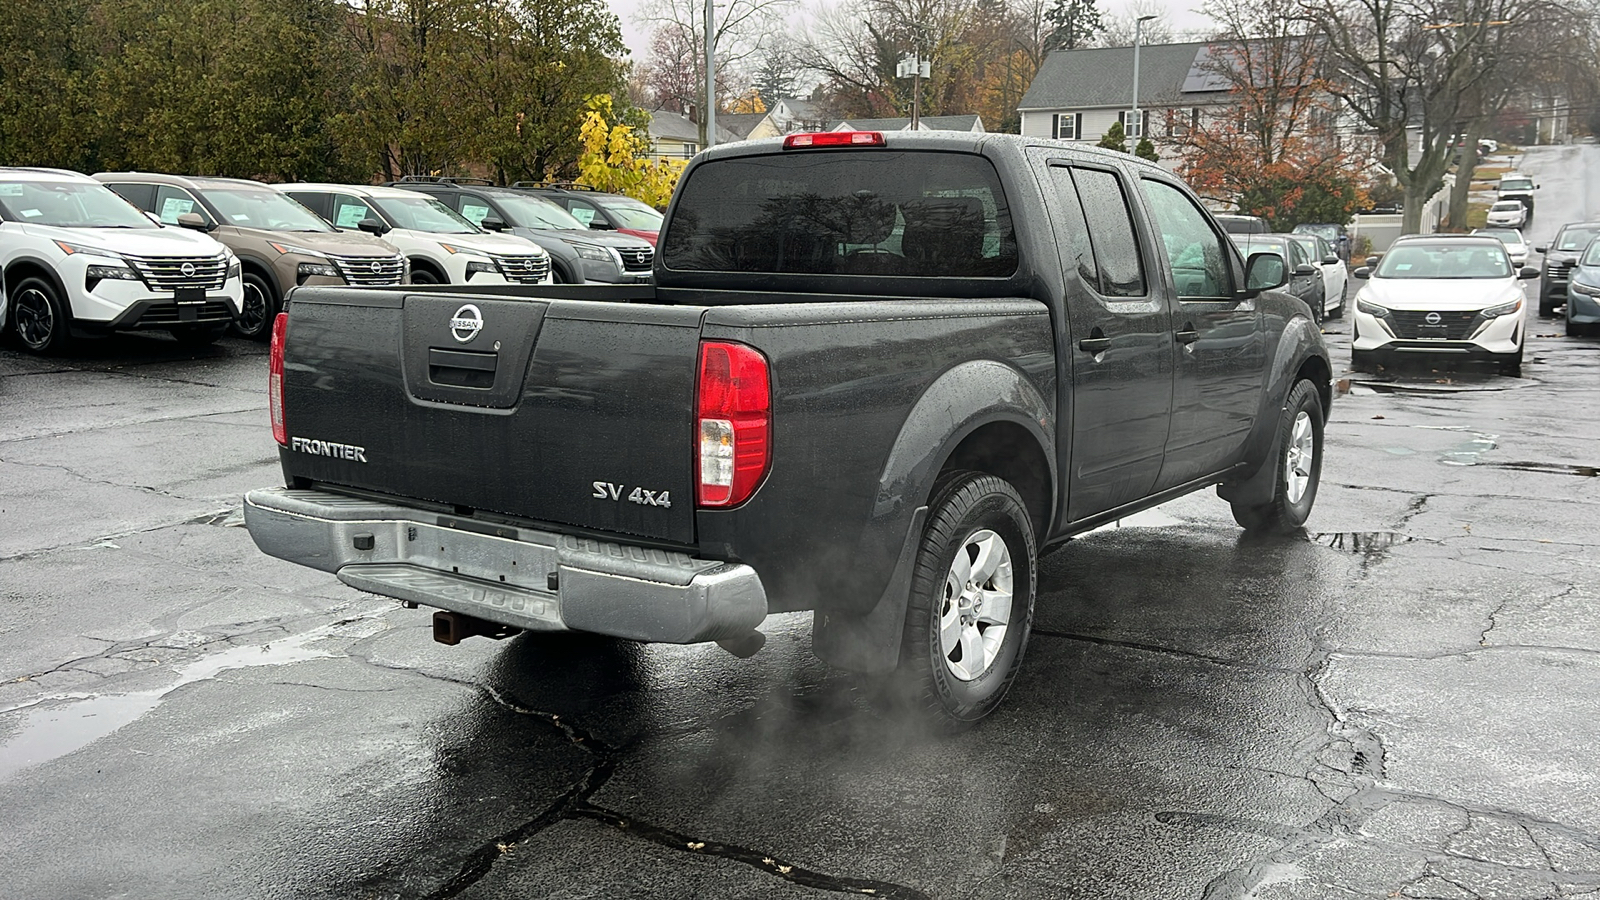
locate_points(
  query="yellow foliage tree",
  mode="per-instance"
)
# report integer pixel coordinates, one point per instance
(616, 158)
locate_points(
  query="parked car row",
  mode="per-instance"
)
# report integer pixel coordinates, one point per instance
(125, 251)
(1316, 273)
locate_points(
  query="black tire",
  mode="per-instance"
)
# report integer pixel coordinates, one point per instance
(258, 308)
(198, 335)
(1576, 330)
(557, 276)
(965, 506)
(1547, 304)
(1344, 299)
(1512, 364)
(1285, 513)
(38, 318)
(424, 276)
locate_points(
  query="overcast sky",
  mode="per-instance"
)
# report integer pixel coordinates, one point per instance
(1180, 15)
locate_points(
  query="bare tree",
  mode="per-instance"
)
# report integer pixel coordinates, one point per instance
(1118, 30)
(855, 46)
(742, 28)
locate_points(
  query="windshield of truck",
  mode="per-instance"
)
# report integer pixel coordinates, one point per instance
(1456, 259)
(1576, 238)
(263, 208)
(528, 212)
(423, 213)
(1516, 184)
(632, 214)
(67, 204)
(844, 212)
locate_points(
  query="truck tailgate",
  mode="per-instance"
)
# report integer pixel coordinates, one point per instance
(570, 412)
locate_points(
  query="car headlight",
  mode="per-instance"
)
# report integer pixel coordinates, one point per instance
(1504, 309)
(69, 249)
(96, 274)
(590, 251)
(1588, 290)
(453, 250)
(291, 248)
(484, 266)
(1371, 309)
(235, 268)
(308, 269)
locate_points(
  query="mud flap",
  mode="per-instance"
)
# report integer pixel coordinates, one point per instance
(1256, 490)
(870, 644)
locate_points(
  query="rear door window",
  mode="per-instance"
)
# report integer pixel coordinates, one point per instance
(844, 212)
(1111, 232)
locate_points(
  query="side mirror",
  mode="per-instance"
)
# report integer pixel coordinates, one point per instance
(1542, 248)
(192, 220)
(1304, 269)
(372, 226)
(1331, 259)
(1372, 262)
(1265, 271)
(493, 223)
(1363, 272)
(598, 224)
(1527, 272)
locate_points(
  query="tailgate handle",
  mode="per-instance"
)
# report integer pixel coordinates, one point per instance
(462, 368)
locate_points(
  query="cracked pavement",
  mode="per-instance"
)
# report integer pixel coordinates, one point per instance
(1402, 703)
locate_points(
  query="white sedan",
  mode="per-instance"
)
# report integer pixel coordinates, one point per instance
(1335, 278)
(1507, 214)
(1512, 238)
(1441, 295)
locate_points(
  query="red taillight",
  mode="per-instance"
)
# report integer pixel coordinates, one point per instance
(734, 412)
(280, 433)
(833, 139)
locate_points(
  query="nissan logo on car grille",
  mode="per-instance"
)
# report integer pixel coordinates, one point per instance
(1431, 319)
(377, 267)
(187, 269)
(466, 323)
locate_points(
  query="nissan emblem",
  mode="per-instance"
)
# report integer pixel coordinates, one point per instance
(466, 323)
(1432, 319)
(187, 269)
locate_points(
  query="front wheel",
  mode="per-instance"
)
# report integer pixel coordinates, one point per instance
(257, 310)
(971, 602)
(1297, 465)
(38, 317)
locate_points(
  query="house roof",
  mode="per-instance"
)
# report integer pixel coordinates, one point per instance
(1103, 77)
(666, 125)
(737, 125)
(929, 123)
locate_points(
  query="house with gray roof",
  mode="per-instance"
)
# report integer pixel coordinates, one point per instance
(925, 123)
(1078, 94)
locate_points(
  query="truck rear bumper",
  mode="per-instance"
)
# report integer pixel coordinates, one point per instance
(530, 579)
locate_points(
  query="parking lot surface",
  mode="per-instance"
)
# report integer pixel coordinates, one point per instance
(1404, 701)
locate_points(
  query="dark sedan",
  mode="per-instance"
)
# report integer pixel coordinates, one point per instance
(1305, 279)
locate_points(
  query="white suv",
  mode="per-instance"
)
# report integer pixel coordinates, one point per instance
(443, 247)
(77, 258)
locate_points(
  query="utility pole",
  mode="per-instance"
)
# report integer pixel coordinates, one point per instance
(711, 77)
(915, 68)
(1138, 27)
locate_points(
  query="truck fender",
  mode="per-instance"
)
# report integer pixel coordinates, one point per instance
(1296, 345)
(964, 399)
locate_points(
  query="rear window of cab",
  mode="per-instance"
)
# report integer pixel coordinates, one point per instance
(844, 212)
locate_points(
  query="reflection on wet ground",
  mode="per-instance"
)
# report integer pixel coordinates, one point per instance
(1366, 543)
(1551, 468)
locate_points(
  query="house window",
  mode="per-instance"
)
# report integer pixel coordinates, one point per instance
(1183, 121)
(1066, 126)
(1134, 122)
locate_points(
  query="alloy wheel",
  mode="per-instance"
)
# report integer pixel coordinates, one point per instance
(36, 318)
(977, 605)
(1297, 463)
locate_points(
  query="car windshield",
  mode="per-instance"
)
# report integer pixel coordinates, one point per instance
(1249, 244)
(534, 212)
(1591, 257)
(422, 213)
(69, 204)
(1441, 260)
(1241, 224)
(1508, 236)
(633, 214)
(263, 208)
(1576, 238)
(1329, 233)
(1517, 184)
(1507, 206)
(1309, 245)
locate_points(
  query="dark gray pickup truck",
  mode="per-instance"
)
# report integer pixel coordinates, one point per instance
(875, 376)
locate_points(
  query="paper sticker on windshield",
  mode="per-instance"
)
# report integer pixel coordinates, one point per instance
(240, 217)
(31, 214)
(583, 214)
(475, 214)
(351, 216)
(10, 190)
(1402, 266)
(174, 207)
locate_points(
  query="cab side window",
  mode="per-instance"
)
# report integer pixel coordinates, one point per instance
(1195, 252)
(1111, 233)
(172, 202)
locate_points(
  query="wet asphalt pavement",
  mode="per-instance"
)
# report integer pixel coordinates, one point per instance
(1404, 702)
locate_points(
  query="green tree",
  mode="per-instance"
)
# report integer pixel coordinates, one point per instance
(1073, 24)
(1146, 150)
(1114, 138)
(44, 117)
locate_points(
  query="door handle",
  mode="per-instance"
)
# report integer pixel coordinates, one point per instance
(1187, 336)
(1095, 344)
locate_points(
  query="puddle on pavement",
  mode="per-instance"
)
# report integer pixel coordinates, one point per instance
(1150, 518)
(55, 726)
(1551, 468)
(1365, 543)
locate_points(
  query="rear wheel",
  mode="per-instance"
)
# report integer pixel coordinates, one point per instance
(38, 317)
(1297, 466)
(971, 602)
(259, 307)
(1344, 298)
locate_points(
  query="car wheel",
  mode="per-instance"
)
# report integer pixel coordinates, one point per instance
(1547, 304)
(1297, 465)
(971, 603)
(424, 276)
(38, 317)
(557, 276)
(1344, 298)
(198, 335)
(257, 310)
(1576, 330)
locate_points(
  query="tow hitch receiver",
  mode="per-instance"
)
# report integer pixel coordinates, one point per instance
(452, 628)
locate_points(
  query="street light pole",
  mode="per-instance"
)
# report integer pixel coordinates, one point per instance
(711, 77)
(1138, 28)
